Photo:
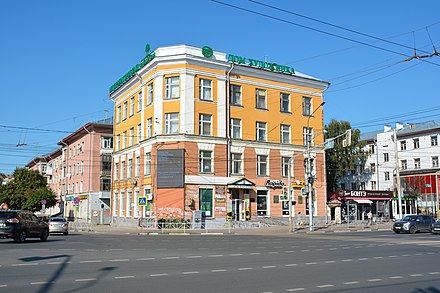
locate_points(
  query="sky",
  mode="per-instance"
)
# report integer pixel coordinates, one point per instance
(58, 58)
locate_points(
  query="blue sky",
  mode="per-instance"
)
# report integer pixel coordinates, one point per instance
(58, 58)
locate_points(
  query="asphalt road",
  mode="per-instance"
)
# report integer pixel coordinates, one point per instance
(335, 262)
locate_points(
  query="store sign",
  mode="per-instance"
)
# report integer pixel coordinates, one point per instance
(274, 183)
(356, 193)
(260, 64)
(132, 71)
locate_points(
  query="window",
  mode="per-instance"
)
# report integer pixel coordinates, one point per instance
(124, 139)
(118, 114)
(261, 165)
(205, 161)
(285, 133)
(147, 193)
(260, 99)
(130, 168)
(125, 114)
(118, 142)
(115, 203)
(373, 167)
(285, 167)
(235, 95)
(284, 102)
(123, 171)
(235, 128)
(149, 127)
(403, 145)
(371, 147)
(116, 171)
(308, 136)
(171, 123)
(172, 87)
(416, 143)
(137, 170)
(353, 186)
(205, 124)
(136, 207)
(150, 94)
(205, 89)
(387, 176)
(386, 157)
(434, 141)
(373, 185)
(237, 163)
(131, 136)
(435, 162)
(122, 204)
(417, 164)
(205, 203)
(404, 164)
(139, 133)
(262, 203)
(307, 106)
(147, 171)
(129, 203)
(107, 143)
(132, 106)
(261, 131)
(139, 101)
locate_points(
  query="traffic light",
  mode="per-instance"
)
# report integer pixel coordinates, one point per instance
(347, 140)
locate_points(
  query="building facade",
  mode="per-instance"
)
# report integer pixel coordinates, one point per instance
(416, 151)
(200, 130)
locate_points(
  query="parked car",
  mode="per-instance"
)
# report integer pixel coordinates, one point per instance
(58, 225)
(20, 225)
(414, 223)
(436, 227)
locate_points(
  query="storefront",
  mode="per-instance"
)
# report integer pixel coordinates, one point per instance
(355, 205)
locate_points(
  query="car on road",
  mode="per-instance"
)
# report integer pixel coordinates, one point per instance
(436, 227)
(413, 224)
(58, 225)
(19, 225)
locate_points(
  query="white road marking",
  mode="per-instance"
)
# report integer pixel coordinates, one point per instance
(215, 255)
(363, 258)
(305, 250)
(396, 277)
(55, 263)
(374, 280)
(236, 254)
(434, 273)
(291, 265)
(269, 267)
(3, 286)
(171, 257)
(218, 271)
(295, 289)
(116, 260)
(146, 258)
(66, 249)
(244, 269)
(124, 277)
(90, 261)
(158, 275)
(325, 286)
(24, 264)
(85, 280)
(190, 273)
(330, 261)
(255, 253)
(351, 283)
(392, 255)
(273, 252)
(289, 251)
(114, 249)
(345, 260)
(194, 256)
(406, 254)
(311, 263)
(416, 275)
(378, 257)
(40, 283)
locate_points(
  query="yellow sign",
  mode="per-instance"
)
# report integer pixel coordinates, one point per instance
(298, 184)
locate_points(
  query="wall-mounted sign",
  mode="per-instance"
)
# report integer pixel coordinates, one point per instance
(260, 64)
(274, 183)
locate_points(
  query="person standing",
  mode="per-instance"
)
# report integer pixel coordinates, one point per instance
(299, 220)
(370, 217)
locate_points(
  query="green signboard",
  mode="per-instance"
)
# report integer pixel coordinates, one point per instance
(260, 64)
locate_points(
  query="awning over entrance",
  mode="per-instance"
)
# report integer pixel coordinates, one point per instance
(365, 201)
(241, 183)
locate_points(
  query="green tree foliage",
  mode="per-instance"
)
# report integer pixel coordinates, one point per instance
(26, 191)
(340, 159)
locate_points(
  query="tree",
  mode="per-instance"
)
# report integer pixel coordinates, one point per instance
(26, 191)
(340, 159)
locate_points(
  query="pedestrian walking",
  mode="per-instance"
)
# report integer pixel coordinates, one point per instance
(370, 217)
(299, 220)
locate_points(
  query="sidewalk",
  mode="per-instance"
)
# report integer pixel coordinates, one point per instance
(273, 230)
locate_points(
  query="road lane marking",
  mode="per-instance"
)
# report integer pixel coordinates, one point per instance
(289, 251)
(351, 283)
(375, 280)
(269, 267)
(295, 289)
(392, 255)
(146, 258)
(311, 263)
(273, 252)
(194, 256)
(378, 257)
(124, 277)
(158, 275)
(396, 277)
(325, 286)
(330, 261)
(244, 269)
(291, 265)
(40, 283)
(305, 250)
(218, 271)
(117, 260)
(55, 263)
(3, 286)
(171, 257)
(236, 254)
(215, 255)
(90, 261)
(190, 273)
(434, 273)
(416, 275)
(345, 260)
(363, 258)
(24, 264)
(85, 280)
(255, 253)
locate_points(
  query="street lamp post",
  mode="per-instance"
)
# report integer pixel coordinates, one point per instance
(310, 176)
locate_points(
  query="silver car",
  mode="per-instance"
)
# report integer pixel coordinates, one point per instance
(58, 225)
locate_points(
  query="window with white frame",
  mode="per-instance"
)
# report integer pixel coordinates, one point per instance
(262, 165)
(260, 99)
(131, 136)
(150, 94)
(205, 124)
(125, 114)
(403, 145)
(118, 142)
(205, 89)
(285, 133)
(261, 131)
(308, 136)
(122, 204)
(139, 133)
(129, 203)
(416, 143)
(373, 185)
(285, 167)
(371, 148)
(130, 168)
(139, 102)
(237, 163)
(205, 161)
(284, 102)
(132, 106)
(116, 174)
(387, 176)
(172, 87)
(235, 94)
(106, 143)
(386, 157)
(137, 170)
(123, 171)
(115, 203)
(235, 128)
(434, 140)
(149, 127)
(147, 170)
(307, 106)
(124, 139)
(171, 123)
(373, 167)
(118, 114)
(135, 206)
(435, 162)
(417, 163)
(404, 164)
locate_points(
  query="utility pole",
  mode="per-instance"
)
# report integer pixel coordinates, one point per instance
(399, 192)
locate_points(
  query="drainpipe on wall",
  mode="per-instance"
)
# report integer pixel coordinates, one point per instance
(90, 165)
(228, 126)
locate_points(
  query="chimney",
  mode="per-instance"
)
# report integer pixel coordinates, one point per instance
(386, 128)
(399, 125)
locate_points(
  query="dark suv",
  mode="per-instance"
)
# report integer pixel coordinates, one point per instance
(20, 225)
(414, 223)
